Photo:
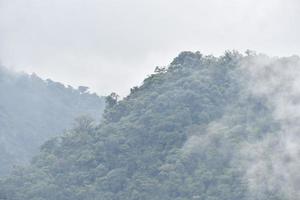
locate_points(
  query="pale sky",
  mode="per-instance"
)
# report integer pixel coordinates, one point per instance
(112, 45)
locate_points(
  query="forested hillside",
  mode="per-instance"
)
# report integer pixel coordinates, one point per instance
(186, 133)
(33, 110)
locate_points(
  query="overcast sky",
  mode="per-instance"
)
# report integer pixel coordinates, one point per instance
(111, 45)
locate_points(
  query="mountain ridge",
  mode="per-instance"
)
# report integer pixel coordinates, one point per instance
(185, 133)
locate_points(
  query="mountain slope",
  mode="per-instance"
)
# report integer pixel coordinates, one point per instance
(33, 110)
(177, 136)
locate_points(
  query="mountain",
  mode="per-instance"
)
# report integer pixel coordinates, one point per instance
(33, 110)
(204, 128)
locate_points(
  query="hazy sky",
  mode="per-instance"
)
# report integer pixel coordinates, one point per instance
(111, 45)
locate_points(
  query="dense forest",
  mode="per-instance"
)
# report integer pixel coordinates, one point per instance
(190, 131)
(33, 110)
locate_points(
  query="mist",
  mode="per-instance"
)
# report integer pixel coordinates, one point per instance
(274, 161)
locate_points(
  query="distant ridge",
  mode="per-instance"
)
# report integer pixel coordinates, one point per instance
(33, 110)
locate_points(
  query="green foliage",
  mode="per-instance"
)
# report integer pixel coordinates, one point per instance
(174, 138)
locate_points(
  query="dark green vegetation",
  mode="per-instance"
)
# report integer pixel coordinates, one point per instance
(176, 137)
(33, 110)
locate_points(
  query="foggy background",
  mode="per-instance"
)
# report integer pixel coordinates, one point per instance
(112, 45)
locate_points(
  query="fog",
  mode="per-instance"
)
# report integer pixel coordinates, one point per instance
(273, 162)
(113, 45)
